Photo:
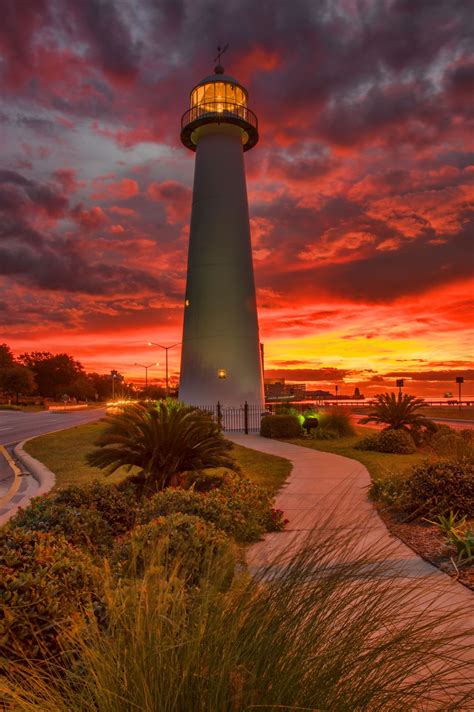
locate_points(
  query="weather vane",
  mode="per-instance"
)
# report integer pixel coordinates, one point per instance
(220, 52)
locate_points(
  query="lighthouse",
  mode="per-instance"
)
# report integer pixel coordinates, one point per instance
(220, 358)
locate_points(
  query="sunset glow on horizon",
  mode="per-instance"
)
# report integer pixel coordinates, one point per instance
(361, 189)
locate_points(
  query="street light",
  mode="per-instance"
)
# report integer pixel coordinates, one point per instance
(142, 365)
(114, 375)
(459, 381)
(166, 348)
(399, 385)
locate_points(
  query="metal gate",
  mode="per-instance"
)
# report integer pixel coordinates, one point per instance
(244, 419)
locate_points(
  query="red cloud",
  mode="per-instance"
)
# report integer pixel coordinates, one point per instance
(124, 188)
(176, 199)
(89, 219)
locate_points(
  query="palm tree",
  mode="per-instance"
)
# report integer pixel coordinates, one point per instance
(163, 440)
(398, 412)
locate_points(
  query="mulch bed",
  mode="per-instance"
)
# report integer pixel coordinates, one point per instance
(428, 542)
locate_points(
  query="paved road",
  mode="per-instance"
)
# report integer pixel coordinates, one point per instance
(16, 425)
(455, 424)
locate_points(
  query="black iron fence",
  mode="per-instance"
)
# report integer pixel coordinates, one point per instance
(244, 419)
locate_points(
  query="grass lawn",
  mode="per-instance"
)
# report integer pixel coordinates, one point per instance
(449, 413)
(64, 453)
(444, 412)
(379, 464)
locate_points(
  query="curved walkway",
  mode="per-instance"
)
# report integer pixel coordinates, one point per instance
(331, 490)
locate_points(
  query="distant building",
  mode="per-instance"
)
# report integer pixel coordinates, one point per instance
(278, 388)
(318, 395)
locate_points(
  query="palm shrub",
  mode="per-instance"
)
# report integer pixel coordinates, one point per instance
(162, 441)
(398, 412)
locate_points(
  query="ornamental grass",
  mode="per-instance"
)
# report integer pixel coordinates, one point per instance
(322, 630)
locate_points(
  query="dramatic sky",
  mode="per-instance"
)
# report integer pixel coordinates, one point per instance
(361, 188)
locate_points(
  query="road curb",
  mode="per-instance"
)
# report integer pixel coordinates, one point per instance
(37, 481)
(44, 477)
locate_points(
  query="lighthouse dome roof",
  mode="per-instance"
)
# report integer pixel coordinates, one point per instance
(219, 78)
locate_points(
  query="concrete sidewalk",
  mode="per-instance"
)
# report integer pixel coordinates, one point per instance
(331, 490)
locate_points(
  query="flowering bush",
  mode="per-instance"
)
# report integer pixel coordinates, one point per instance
(108, 500)
(239, 507)
(44, 584)
(80, 526)
(184, 541)
(436, 488)
(88, 515)
(453, 444)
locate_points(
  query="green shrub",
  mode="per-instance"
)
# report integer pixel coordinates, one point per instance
(336, 420)
(44, 583)
(280, 426)
(453, 444)
(387, 490)
(392, 441)
(88, 515)
(370, 442)
(240, 508)
(79, 526)
(436, 488)
(188, 542)
(109, 501)
(203, 481)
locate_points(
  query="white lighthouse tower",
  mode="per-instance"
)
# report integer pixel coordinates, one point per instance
(221, 349)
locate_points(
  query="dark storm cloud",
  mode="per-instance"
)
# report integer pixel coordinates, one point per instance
(309, 374)
(104, 26)
(60, 267)
(41, 195)
(388, 275)
(438, 375)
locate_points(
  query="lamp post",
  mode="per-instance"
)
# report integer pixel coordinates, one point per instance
(142, 365)
(459, 381)
(114, 375)
(336, 389)
(166, 348)
(399, 385)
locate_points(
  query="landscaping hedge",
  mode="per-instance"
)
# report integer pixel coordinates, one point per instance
(280, 426)
(178, 540)
(391, 441)
(44, 583)
(436, 488)
(240, 508)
